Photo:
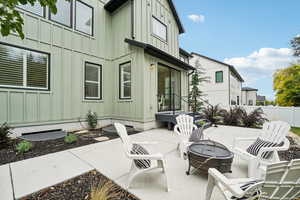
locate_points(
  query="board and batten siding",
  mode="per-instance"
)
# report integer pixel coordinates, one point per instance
(69, 50)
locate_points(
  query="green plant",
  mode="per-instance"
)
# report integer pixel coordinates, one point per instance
(231, 117)
(296, 130)
(212, 114)
(23, 146)
(92, 119)
(70, 138)
(253, 119)
(4, 134)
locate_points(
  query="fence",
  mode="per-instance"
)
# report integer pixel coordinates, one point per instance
(290, 115)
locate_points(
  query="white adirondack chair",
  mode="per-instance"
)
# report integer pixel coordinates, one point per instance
(184, 128)
(282, 182)
(134, 170)
(276, 132)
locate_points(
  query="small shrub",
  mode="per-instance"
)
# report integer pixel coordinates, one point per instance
(70, 138)
(212, 114)
(232, 117)
(92, 119)
(107, 191)
(253, 119)
(4, 134)
(23, 147)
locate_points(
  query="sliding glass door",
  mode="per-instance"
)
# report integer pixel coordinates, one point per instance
(169, 89)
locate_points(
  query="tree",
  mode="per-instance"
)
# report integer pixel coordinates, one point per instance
(10, 17)
(295, 43)
(286, 83)
(195, 101)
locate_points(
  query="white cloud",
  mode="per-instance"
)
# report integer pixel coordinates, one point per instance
(262, 63)
(197, 18)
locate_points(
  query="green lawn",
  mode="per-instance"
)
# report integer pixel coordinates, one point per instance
(296, 130)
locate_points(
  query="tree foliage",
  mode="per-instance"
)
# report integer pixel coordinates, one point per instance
(286, 83)
(11, 19)
(295, 43)
(195, 94)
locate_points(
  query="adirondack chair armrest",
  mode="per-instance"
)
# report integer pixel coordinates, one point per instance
(157, 156)
(145, 142)
(176, 129)
(226, 183)
(239, 140)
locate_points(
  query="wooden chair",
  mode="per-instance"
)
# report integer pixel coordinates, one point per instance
(135, 170)
(184, 128)
(275, 132)
(282, 182)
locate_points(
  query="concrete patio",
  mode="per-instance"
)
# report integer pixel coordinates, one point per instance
(25, 177)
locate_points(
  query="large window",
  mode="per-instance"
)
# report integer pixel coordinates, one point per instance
(20, 68)
(92, 81)
(125, 80)
(219, 77)
(35, 9)
(64, 13)
(159, 29)
(84, 18)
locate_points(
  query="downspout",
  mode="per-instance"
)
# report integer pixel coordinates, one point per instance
(229, 86)
(132, 19)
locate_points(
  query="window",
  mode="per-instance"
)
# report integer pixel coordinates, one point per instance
(35, 9)
(250, 103)
(92, 81)
(21, 68)
(219, 77)
(125, 80)
(238, 100)
(84, 18)
(64, 13)
(159, 29)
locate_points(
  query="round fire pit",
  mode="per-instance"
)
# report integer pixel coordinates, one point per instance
(209, 154)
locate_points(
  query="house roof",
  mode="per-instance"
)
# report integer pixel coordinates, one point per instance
(249, 89)
(148, 48)
(113, 5)
(231, 67)
(260, 98)
(184, 52)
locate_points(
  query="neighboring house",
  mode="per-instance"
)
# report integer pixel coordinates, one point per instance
(249, 96)
(225, 83)
(119, 58)
(261, 100)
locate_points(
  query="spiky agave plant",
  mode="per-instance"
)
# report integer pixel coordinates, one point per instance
(253, 119)
(212, 114)
(231, 117)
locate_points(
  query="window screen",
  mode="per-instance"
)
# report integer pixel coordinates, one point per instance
(159, 29)
(84, 18)
(92, 83)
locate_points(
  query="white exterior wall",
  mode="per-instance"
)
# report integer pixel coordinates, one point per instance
(235, 89)
(216, 93)
(249, 95)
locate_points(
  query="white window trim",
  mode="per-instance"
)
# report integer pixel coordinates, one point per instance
(24, 86)
(122, 82)
(99, 68)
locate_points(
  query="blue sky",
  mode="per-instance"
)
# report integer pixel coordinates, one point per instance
(252, 35)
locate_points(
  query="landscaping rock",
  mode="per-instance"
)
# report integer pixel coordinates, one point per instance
(101, 139)
(81, 132)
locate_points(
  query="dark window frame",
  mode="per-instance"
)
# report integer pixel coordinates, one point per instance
(170, 89)
(71, 16)
(75, 14)
(162, 39)
(43, 16)
(216, 80)
(100, 83)
(120, 89)
(48, 68)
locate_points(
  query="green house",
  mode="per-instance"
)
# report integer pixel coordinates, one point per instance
(118, 58)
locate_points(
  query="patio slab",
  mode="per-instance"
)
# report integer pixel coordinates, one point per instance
(5, 183)
(38, 173)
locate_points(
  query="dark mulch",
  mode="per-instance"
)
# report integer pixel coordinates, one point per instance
(292, 153)
(79, 188)
(9, 153)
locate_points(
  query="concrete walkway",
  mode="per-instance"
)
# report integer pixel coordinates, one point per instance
(25, 177)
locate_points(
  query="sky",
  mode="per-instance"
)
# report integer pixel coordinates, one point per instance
(252, 35)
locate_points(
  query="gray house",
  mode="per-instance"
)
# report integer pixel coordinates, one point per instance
(119, 58)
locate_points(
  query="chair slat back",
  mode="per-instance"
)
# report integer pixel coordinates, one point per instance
(282, 181)
(185, 124)
(275, 131)
(122, 132)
